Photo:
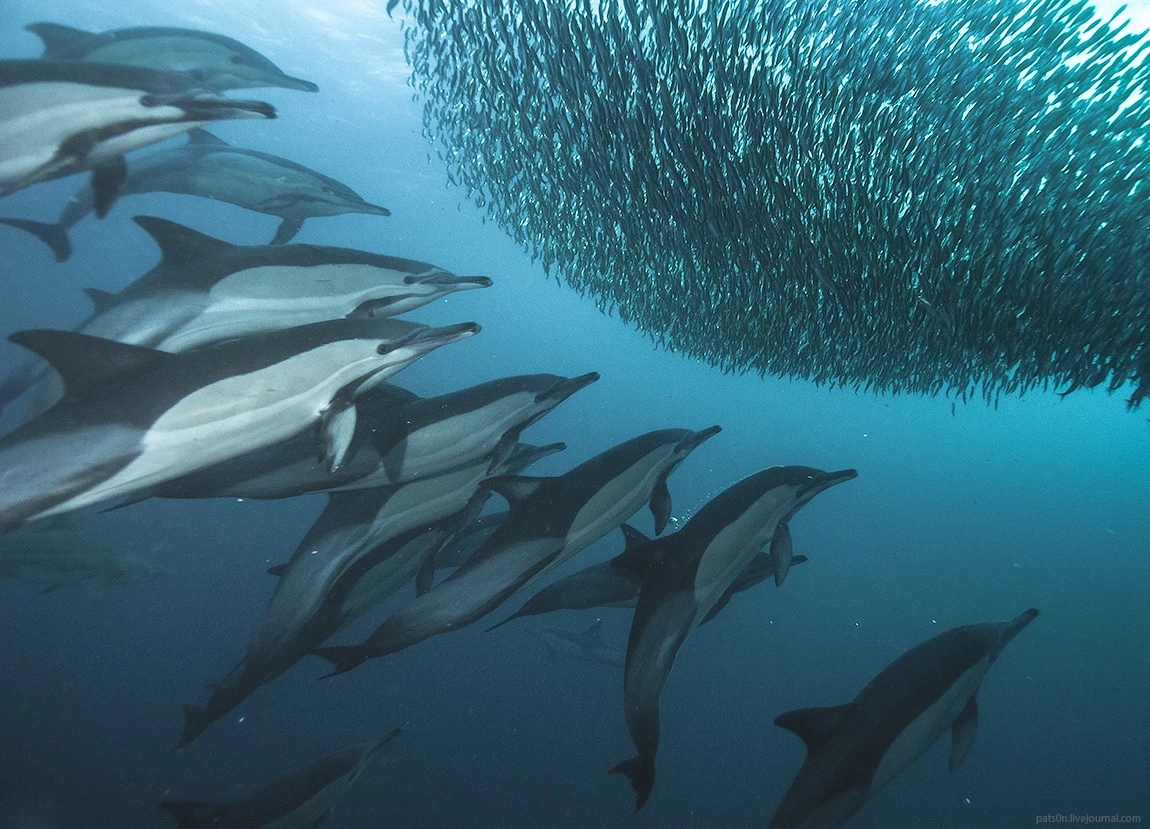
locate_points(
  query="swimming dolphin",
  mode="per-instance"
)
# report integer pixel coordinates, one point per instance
(393, 443)
(210, 167)
(853, 750)
(134, 417)
(302, 799)
(468, 539)
(685, 575)
(58, 553)
(62, 118)
(204, 290)
(585, 645)
(551, 519)
(616, 583)
(218, 62)
(365, 545)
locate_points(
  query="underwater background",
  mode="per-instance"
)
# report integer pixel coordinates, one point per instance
(960, 513)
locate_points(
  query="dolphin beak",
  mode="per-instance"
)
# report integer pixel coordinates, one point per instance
(458, 282)
(565, 388)
(288, 82)
(436, 337)
(826, 481)
(1011, 628)
(374, 209)
(694, 440)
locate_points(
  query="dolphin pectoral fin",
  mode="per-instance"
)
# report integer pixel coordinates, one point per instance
(196, 721)
(278, 570)
(337, 431)
(189, 814)
(425, 578)
(107, 179)
(962, 733)
(642, 777)
(813, 725)
(661, 504)
(54, 236)
(287, 230)
(719, 605)
(782, 552)
(342, 657)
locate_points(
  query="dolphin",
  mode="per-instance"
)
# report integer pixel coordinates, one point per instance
(393, 443)
(685, 575)
(365, 545)
(205, 290)
(302, 799)
(468, 539)
(586, 645)
(551, 519)
(210, 167)
(57, 553)
(133, 417)
(853, 750)
(218, 62)
(62, 118)
(616, 583)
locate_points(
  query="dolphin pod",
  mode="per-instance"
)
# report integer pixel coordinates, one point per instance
(262, 371)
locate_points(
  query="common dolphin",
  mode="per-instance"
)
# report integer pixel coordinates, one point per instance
(853, 750)
(134, 417)
(686, 574)
(616, 583)
(468, 539)
(204, 290)
(59, 553)
(211, 168)
(302, 799)
(584, 645)
(392, 443)
(218, 62)
(551, 519)
(62, 118)
(364, 546)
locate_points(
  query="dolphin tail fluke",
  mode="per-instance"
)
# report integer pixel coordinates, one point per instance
(342, 657)
(196, 722)
(54, 236)
(189, 814)
(642, 777)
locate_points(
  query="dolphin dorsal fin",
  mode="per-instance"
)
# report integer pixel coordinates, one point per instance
(83, 361)
(190, 814)
(593, 634)
(58, 39)
(813, 725)
(183, 247)
(636, 553)
(202, 138)
(101, 300)
(514, 488)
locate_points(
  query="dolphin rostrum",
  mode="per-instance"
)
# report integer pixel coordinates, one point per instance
(219, 62)
(550, 520)
(209, 167)
(685, 576)
(134, 417)
(302, 799)
(62, 118)
(853, 750)
(205, 290)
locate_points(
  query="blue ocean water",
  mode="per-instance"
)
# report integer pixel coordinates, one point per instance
(959, 514)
